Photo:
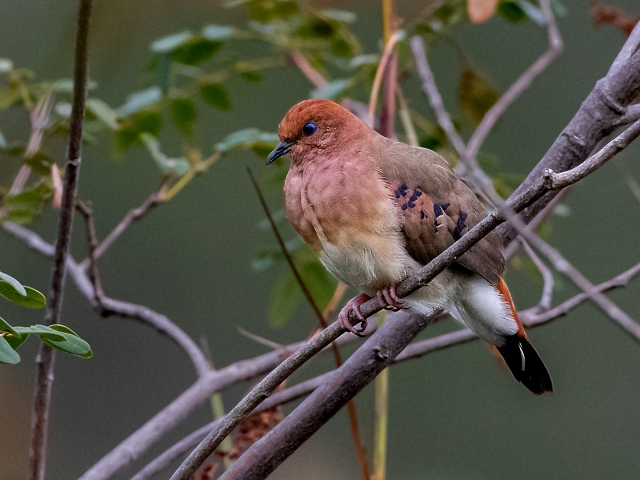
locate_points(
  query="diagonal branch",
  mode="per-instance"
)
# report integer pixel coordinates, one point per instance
(45, 359)
(133, 215)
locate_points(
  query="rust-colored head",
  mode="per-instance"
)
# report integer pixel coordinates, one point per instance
(313, 126)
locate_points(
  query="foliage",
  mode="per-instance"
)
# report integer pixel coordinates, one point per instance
(199, 69)
(56, 336)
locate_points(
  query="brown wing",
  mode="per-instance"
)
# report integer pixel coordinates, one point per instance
(437, 208)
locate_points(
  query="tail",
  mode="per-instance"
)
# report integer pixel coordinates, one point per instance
(521, 358)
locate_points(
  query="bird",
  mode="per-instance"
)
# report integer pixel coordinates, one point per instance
(375, 210)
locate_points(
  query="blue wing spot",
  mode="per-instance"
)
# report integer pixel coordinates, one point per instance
(404, 207)
(417, 192)
(437, 209)
(397, 193)
(411, 204)
(446, 205)
(460, 226)
(403, 189)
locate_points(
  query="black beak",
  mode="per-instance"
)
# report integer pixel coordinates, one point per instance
(279, 151)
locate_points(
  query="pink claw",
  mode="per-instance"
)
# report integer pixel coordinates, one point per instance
(389, 299)
(354, 304)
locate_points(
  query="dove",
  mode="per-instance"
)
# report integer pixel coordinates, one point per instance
(375, 210)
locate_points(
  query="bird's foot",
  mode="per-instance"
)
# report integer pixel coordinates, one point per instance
(354, 304)
(389, 299)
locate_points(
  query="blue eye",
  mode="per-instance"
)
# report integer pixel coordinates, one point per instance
(309, 129)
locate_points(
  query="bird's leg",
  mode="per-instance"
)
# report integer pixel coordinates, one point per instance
(389, 299)
(354, 304)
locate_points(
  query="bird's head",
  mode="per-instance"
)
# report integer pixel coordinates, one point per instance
(312, 129)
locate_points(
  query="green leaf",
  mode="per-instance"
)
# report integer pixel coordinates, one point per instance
(5, 327)
(103, 112)
(369, 59)
(65, 85)
(59, 337)
(317, 28)
(247, 138)
(177, 166)
(8, 96)
(332, 89)
(511, 11)
(8, 354)
(251, 76)
(319, 282)
(344, 16)
(16, 341)
(284, 300)
(267, 11)
(218, 32)
(80, 347)
(183, 112)
(33, 299)
(216, 95)
(138, 101)
(171, 42)
(476, 94)
(13, 282)
(149, 121)
(341, 48)
(196, 51)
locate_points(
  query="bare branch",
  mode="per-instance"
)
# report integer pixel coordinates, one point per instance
(596, 118)
(547, 276)
(45, 359)
(520, 85)
(434, 98)
(133, 215)
(365, 364)
(563, 266)
(307, 70)
(87, 213)
(109, 306)
(632, 114)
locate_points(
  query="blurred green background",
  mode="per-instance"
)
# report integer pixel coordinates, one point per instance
(453, 414)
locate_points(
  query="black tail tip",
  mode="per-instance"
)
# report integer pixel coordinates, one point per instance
(526, 365)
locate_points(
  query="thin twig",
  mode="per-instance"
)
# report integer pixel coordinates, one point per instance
(377, 81)
(308, 71)
(92, 241)
(547, 277)
(598, 116)
(520, 85)
(45, 359)
(133, 215)
(563, 266)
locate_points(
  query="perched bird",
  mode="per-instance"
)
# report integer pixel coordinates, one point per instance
(374, 210)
